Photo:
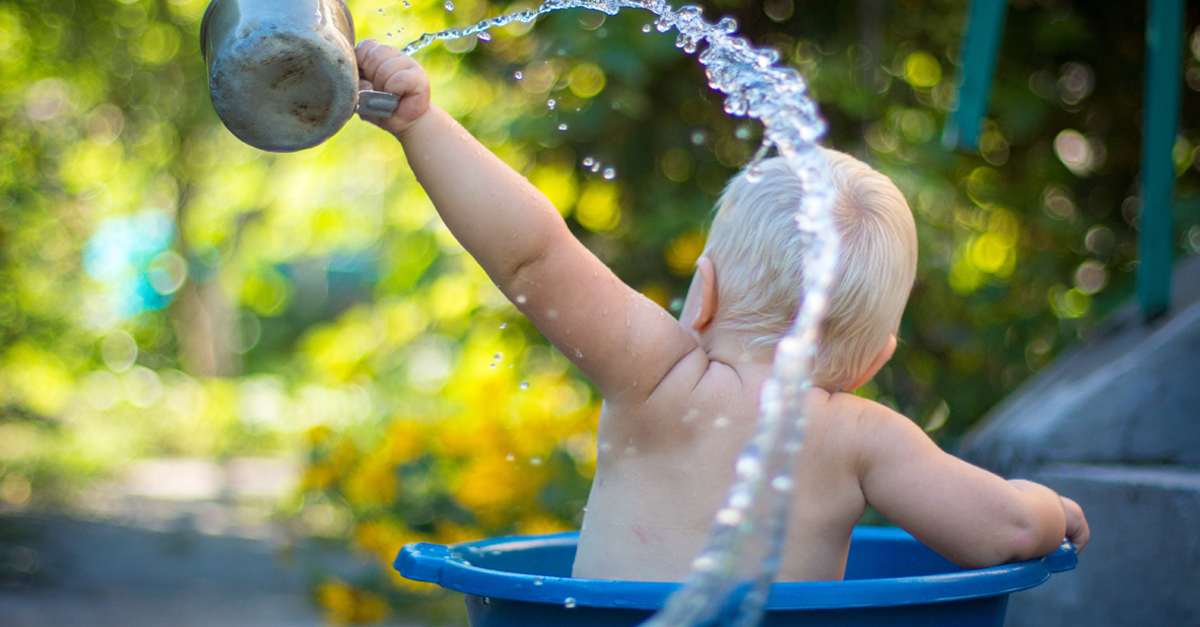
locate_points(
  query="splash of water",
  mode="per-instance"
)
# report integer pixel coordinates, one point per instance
(724, 584)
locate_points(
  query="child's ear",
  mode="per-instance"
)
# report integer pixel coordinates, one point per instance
(884, 355)
(708, 294)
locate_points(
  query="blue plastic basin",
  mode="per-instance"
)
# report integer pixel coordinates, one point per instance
(891, 579)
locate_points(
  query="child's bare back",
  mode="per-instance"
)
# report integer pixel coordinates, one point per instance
(681, 396)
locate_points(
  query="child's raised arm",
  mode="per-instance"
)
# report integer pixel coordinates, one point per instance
(621, 340)
(970, 516)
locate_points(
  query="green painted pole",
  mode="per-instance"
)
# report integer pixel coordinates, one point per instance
(980, 49)
(1160, 123)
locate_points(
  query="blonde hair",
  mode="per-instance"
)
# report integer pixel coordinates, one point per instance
(758, 256)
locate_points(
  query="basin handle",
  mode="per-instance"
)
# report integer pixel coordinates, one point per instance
(422, 561)
(1063, 558)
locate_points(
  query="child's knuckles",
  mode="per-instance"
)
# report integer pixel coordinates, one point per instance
(374, 57)
(392, 66)
(398, 83)
(363, 51)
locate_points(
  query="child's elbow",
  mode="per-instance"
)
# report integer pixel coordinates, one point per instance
(1021, 537)
(1030, 535)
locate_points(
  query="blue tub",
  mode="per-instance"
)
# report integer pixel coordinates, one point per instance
(891, 579)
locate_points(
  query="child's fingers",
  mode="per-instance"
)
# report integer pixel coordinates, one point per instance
(1077, 526)
(360, 53)
(395, 75)
(371, 56)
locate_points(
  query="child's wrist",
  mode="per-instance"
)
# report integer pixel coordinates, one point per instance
(407, 130)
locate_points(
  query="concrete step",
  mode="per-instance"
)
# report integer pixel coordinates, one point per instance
(1142, 565)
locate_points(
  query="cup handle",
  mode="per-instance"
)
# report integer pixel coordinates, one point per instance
(378, 104)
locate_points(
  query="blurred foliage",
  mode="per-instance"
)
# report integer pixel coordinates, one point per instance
(167, 290)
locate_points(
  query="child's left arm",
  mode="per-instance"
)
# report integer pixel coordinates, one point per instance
(621, 340)
(972, 517)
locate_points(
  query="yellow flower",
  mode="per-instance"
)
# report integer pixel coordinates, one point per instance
(317, 477)
(318, 435)
(489, 486)
(681, 254)
(382, 538)
(343, 456)
(405, 440)
(373, 483)
(540, 522)
(345, 604)
(450, 533)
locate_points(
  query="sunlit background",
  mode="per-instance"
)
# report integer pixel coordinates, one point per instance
(176, 304)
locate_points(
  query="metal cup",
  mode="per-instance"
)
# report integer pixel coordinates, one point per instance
(281, 73)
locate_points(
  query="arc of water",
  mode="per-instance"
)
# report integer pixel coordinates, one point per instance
(754, 87)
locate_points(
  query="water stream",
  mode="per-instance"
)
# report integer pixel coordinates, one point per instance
(730, 577)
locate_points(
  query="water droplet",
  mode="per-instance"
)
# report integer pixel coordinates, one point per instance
(524, 385)
(646, 28)
(588, 161)
(535, 461)
(729, 516)
(521, 299)
(705, 564)
(629, 450)
(498, 356)
(699, 137)
(782, 484)
(609, 174)
(537, 581)
(389, 34)
(562, 51)
(449, 6)
(676, 304)
(569, 603)
(596, 167)
(551, 103)
(578, 354)
(484, 36)
(503, 326)
(721, 422)
(487, 601)
(748, 467)
(562, 127)
(742, 132)
(518, 75)
(510, 457)
(492, 365)
(604, 447)
(381, 12)
(405, 3)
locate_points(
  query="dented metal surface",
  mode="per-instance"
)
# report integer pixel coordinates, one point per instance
(282, 73)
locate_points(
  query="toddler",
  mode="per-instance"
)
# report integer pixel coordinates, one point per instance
(681, 396)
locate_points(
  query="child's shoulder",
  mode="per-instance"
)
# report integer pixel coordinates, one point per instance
(863, 423)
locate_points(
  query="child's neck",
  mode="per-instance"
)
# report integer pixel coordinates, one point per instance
(733, 347)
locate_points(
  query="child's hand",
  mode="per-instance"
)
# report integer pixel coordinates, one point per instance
(383, 68)
(1077, 527)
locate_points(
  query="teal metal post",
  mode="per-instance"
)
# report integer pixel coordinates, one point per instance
(1160, 123)
(981, 47)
